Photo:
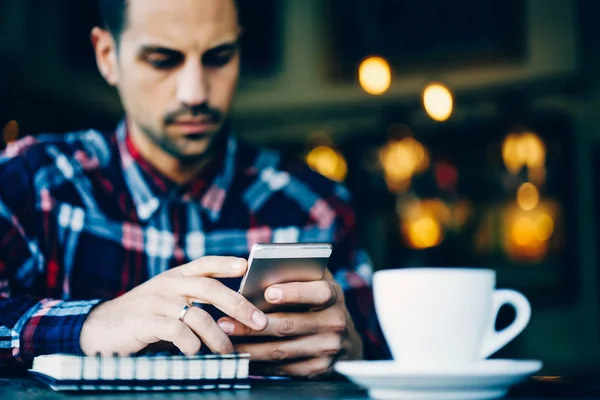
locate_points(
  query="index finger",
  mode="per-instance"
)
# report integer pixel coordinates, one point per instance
(214, 267)
(212, 291)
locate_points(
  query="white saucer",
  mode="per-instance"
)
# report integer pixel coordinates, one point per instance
(489, 379)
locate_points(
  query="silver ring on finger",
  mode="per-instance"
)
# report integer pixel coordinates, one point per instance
(184, 311)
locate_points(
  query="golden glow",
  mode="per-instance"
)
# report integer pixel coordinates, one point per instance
(424, 233)
(438, 101)
(532, 150)
(527, 149)
(10, 132)
(328, 163)
(398, 161)
(528, 197)
(423, 221)
(374, 75)
(401, 160)
(527, 233)
(510, 153)
(523, 231)
(544, 227)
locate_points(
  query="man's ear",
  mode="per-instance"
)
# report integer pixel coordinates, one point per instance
(105, 49)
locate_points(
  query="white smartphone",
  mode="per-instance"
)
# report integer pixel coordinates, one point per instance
(270, 264)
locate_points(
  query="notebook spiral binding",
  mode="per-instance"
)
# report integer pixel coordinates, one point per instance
(101, 381)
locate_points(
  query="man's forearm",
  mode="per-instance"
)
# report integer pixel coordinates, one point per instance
(30, 327)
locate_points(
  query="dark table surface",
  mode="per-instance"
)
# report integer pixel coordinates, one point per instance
(27, 389)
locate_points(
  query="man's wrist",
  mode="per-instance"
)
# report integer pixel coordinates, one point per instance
(52, 327)
(87, 343)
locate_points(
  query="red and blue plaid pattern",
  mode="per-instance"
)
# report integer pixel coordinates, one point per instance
(83, 218)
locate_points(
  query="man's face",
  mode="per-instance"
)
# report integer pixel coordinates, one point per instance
(177, 70)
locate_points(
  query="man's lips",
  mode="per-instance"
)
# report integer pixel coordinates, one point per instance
(194, 127)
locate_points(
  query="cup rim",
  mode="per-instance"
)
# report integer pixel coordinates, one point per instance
(457, 270)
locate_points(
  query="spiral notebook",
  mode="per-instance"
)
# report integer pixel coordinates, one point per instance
(145, 373)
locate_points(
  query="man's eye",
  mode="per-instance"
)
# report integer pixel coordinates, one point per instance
(218, 59)
(163, 62)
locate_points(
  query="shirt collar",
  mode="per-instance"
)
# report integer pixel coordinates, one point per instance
(149, 189)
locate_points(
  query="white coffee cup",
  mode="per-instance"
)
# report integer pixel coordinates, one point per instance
(444, 317)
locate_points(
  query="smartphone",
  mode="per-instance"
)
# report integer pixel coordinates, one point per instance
(270, 264)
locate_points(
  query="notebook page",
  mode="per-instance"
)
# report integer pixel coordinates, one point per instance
(69, 367)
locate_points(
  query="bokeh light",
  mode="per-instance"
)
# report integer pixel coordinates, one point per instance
(528, 197)
(510, 153)
(424, 233)
(374, 75)
(532, 150)
(401, 160)
(544, 227)
(423, 221)
(523, 231)
(328, 163)
(527, 234)
(525, 150)
(438, 101)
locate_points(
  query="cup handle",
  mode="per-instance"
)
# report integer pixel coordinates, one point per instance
(496, 340)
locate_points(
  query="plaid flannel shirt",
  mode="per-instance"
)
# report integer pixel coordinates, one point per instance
(84, 218)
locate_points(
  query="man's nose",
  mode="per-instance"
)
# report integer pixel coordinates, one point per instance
(192, 89)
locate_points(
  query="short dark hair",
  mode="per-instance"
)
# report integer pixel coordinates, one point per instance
(113, 15)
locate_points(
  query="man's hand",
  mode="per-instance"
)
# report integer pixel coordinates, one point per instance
(301, 344)
(150, 313)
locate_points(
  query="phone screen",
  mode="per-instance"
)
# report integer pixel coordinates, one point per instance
(273, 264)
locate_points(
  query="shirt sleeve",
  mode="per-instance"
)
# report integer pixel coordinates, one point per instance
(30, 325)
(353, 270)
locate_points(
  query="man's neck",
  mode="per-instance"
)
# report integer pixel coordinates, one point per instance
(163, 162)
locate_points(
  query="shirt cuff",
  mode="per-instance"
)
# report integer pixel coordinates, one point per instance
(51, 327)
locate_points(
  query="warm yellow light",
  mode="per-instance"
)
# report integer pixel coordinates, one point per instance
(397, 185)
(526, 233)
(424, 233)
(10, 132)
(528, 197)
(374, 75)
(510, 153)
(398, 161)
(402, 159)
(544, 227)
(328, 163)
(532, 150)
(438, 102)
(526, 149)
(421, 157)
(523, 231)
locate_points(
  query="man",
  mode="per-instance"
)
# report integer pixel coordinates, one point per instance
(105, 238)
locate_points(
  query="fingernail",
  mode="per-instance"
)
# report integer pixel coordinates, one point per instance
(259, 319)
(239, 265)
(274, 294)
(227, 327)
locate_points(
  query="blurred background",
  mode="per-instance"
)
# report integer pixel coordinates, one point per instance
(468, 131)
